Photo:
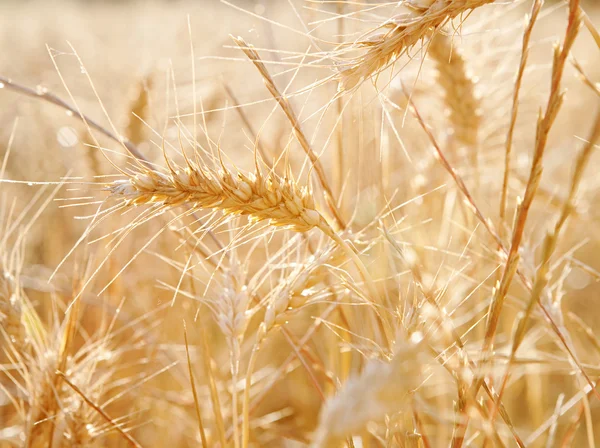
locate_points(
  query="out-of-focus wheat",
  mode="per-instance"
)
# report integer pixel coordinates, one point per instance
(460, 96)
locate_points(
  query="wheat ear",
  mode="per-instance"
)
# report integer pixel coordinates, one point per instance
(382, 388)
(385, 47)
(139, 110)
(279, 201)
(459, 88)
(232, 317)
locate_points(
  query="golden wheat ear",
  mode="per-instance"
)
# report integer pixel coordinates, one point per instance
(279, 201)
(383, 48)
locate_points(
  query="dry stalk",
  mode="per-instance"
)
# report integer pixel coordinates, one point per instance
(549, 246)
(545, 122)
(537, 6)
(399, 35)
(585, 78)
(194, 392)
(339, 108)
(43, 94)
(100, 411)
(299, 134)
(591, 27)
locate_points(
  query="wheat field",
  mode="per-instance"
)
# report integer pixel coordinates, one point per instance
(300, 223)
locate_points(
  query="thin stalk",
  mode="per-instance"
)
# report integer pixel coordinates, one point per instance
(537, 6)
(548, 248)
(195, 394)
(246, 399)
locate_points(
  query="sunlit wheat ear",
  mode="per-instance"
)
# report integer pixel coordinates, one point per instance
(232, 306)
(383, 388)
(393, 38)
(279, 201)
(286, 107)
(463, 105)
(232, 317)
(282, 301)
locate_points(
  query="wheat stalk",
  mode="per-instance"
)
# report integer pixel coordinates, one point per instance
(544, 124)
(535, 10)
(545, 121)
(549, 246)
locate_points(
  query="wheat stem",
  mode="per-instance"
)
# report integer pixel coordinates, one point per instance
(537, 6)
